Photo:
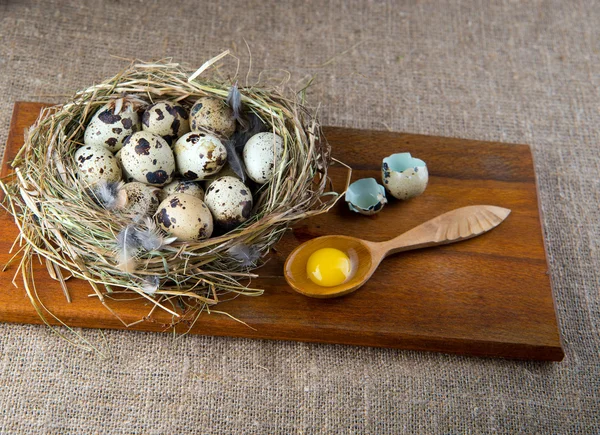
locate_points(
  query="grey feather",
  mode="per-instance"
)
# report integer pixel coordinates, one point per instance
(247, 255)
(234, 100)
(135, 237)
(110, 194)
(128, 246)
(235, 161)
(241, 136)
(150, 284)
(151, 237)
(235, 145)
(255, 125)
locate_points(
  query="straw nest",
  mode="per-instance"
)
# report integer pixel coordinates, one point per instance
(62, 223)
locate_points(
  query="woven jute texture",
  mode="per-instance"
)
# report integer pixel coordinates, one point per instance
(524, 72)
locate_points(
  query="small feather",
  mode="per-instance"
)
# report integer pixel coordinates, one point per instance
(127, 247)
(235, 146)
(111, 194)
(255, 125)
(150, 284)
(151, 237)
(234, 100)
(246, 255)
(241, 136)
(235, 161)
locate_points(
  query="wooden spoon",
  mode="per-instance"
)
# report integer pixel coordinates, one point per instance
(454, 226)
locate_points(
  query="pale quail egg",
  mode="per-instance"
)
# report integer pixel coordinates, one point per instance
(167, 119)
(213, 115)
(404, 176)
(127, 177)
(147, 158)
(230, 202)
(262, 155)
(142, 200)
(178, 186)
(366, 196)
(111, 124)
(185, 217)
(199, 155)
(95, 163)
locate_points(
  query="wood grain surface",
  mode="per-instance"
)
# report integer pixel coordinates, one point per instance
(488, 296)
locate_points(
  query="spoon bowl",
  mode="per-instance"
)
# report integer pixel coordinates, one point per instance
(460, 224)
(360, 252)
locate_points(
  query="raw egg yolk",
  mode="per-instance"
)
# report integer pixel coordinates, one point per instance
(328, 267)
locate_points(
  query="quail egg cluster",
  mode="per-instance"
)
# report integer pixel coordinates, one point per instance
(171, 160)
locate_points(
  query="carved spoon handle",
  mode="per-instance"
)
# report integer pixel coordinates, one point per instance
(454, 226)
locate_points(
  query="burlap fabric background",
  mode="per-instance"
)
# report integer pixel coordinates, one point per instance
(509, 71)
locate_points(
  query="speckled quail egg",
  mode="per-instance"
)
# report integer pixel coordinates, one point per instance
(199, 155)
(142, 200)
(167, 119)
(212, 114)
(179, 186)
(404, 176)
(147, 158)
(185, 217)
(262, 155)
(225, 171)
(366, 196)
(126, 176)
(95, 163)
(230, 202)
(112, 123)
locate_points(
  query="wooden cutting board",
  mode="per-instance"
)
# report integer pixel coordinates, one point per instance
(488, 296)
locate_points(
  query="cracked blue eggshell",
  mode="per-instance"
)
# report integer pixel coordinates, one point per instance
(366, 196)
